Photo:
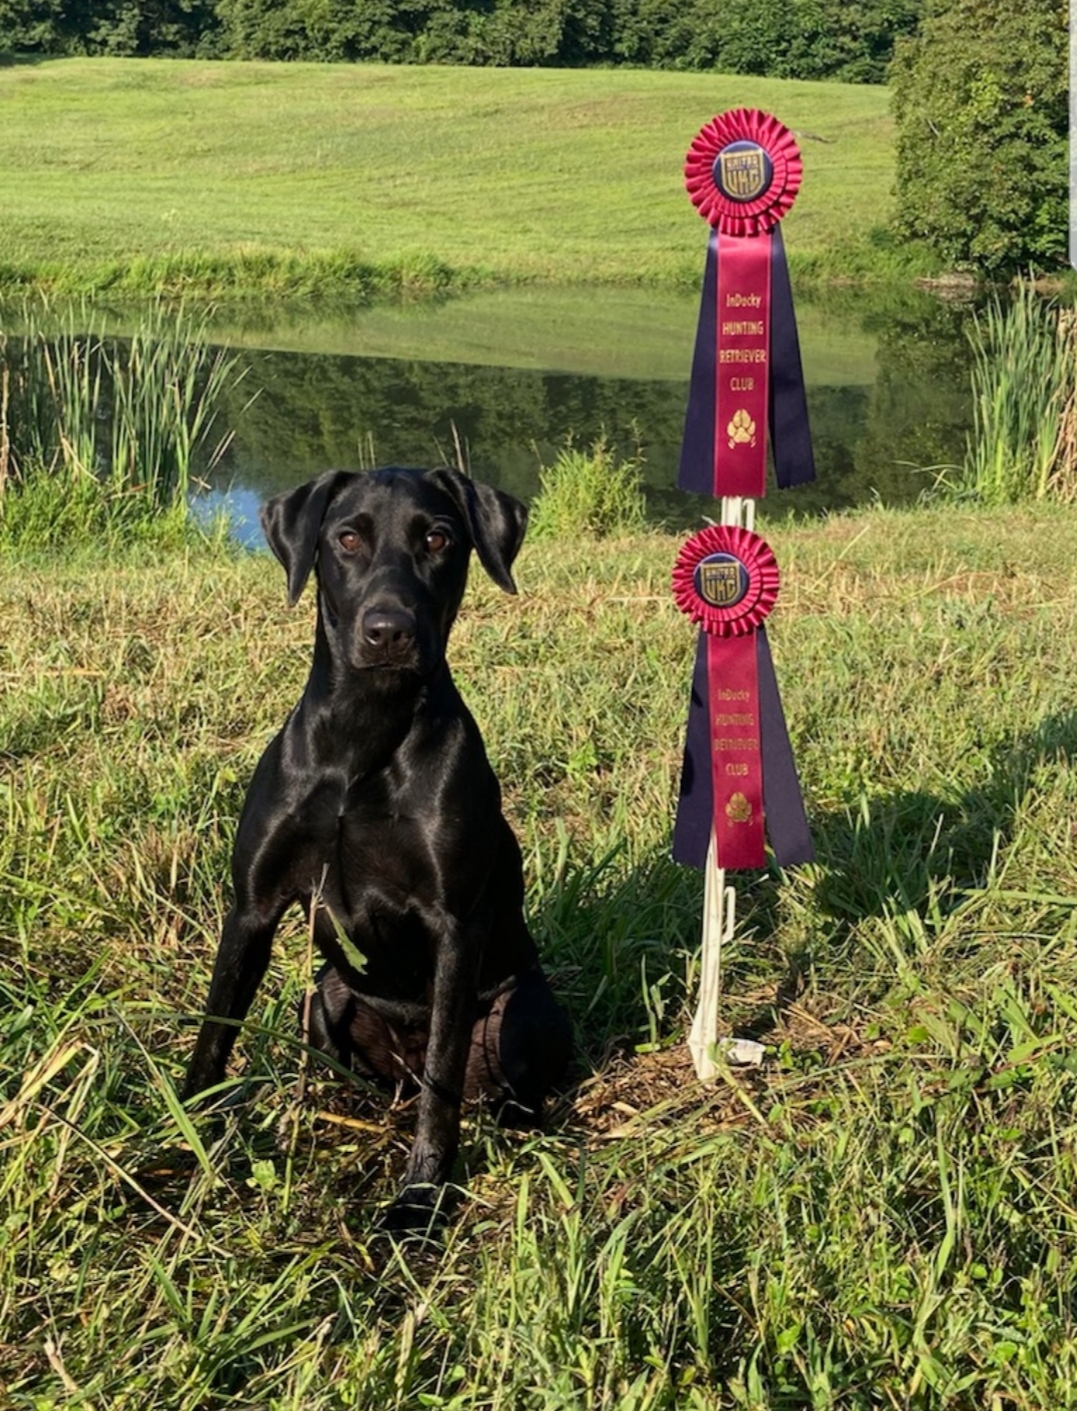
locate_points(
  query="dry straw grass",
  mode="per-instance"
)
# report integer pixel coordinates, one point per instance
(881, 1215)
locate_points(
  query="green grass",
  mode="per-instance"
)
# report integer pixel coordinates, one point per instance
(135, 176)
(105, 437)
(1023, 388)
(882, 1215)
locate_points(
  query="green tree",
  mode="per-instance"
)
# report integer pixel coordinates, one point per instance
(328, 30)
(850, 40)
(136, 27)
(981, 101)
(36, 27)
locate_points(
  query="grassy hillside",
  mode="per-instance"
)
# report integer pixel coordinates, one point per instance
(882, 1215)
(223, 178)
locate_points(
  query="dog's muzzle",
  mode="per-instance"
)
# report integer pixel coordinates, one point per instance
(388, 637)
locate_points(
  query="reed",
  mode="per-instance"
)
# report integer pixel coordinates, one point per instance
(120, 427)
(1063, 482)
(882, 1215)
(1023, 379)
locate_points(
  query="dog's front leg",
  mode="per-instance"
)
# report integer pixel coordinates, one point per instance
(438, 1132)
(242, 958)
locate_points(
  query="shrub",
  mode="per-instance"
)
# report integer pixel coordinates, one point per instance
(981, 102)
(589, 494)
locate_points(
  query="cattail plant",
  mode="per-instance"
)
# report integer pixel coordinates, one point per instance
(1023, 378)
(129, 422)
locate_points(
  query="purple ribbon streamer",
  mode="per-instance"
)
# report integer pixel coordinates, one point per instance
(783, 803)
(790, 437)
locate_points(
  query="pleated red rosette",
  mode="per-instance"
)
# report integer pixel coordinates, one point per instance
(737, 755)
(726, 580)
(759, 152)
(743, 171)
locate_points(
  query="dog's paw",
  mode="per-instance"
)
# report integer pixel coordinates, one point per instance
(420, 1212)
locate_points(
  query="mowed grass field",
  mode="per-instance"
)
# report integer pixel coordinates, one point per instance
(883, 1215)
(215, 178)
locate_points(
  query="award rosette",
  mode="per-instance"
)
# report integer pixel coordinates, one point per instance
(738, 778)
(742, 172)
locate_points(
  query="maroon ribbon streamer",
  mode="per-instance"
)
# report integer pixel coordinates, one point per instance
(742, 375)
(736, 756)
(783, 804)
(787, 405)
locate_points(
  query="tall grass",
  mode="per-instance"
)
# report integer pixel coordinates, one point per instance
(116, 429)
(592, 493)
(1023, 381)
(882, 1215)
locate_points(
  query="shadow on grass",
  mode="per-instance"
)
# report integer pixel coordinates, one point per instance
(614, 943)
(621, 944)
(910, 850)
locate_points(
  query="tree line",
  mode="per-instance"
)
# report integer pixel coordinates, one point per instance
(848, 40)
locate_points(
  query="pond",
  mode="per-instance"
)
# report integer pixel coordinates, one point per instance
(504, 380)
(511, 376)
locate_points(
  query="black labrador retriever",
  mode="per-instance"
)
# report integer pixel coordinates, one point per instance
(377, 805)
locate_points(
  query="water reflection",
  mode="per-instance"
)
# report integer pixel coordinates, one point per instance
(887, 383)
(510, 376)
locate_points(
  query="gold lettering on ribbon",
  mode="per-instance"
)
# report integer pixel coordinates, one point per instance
(742, 355)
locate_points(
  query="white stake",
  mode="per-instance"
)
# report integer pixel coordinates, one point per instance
(719, 920)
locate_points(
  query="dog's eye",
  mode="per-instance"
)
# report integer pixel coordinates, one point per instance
(437, 541)
(348, 540)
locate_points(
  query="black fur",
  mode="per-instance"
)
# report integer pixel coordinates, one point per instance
(377, 800)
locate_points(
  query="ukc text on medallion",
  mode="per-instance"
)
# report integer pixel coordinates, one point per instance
(721, 580)
(743, 171)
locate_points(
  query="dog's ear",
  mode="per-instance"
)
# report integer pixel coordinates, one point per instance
(291, 523)
(496, 522)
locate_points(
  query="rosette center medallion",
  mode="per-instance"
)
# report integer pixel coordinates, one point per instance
(742, 171)
(721, 580)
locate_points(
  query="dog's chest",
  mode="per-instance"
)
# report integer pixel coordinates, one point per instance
(404, 844)
(384, 855)
(397, 840)
(383, 888)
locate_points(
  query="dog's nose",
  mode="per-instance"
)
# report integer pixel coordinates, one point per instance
(388, 628)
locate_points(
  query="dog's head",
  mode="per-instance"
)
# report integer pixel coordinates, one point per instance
(390, 551)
